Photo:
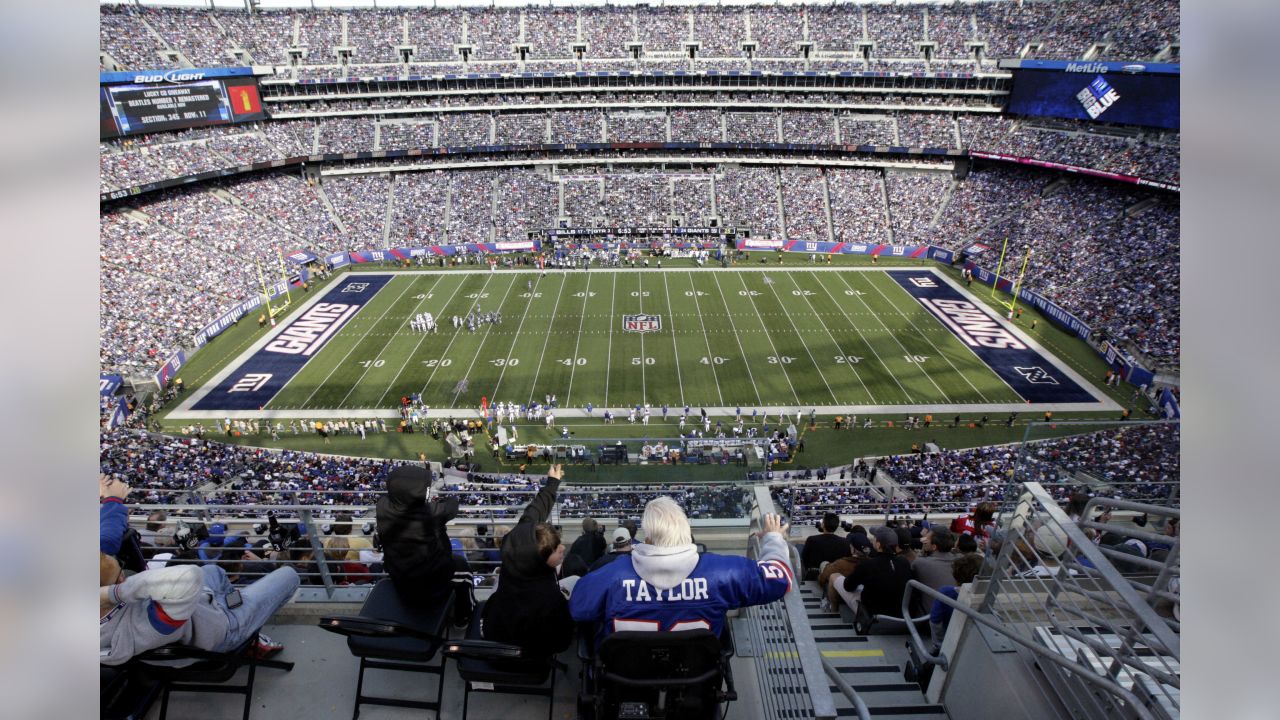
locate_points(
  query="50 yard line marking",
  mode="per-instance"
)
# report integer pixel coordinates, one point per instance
(456, 333)
(644, 395)
(547, 338)
(458, 393)
(577, 343)
(354, 345)
(675, 350)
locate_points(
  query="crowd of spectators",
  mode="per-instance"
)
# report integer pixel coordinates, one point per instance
(803, 204)
(1128, 30)
(914, 199)
(1118, 273)
(857, 205)
(1139, 462)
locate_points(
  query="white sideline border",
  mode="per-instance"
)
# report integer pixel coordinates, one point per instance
(184, 410)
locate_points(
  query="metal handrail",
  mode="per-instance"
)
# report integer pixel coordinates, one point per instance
(847, 690)
(806, 646)
(1043, 653)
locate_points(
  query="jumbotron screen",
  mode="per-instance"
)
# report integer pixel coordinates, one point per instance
(1123, 93)
(131, 109)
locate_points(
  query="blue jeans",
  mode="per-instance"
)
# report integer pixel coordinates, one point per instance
(259, 601)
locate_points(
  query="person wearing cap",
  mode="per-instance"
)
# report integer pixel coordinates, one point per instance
(620, 544)
(880, 581)
(665, 584)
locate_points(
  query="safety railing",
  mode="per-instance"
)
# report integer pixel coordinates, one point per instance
(788, 661)
(1062, 603)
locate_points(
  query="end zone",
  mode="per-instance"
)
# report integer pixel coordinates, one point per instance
(1028, 369)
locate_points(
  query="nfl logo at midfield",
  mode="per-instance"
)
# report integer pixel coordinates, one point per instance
(642, 323)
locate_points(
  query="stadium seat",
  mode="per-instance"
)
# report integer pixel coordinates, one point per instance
(209, 673)
(388, 635)
(499, 668)
(673, 675)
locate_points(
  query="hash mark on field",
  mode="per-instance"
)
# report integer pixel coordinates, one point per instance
(675, 349)
(445, 354)
(573, 366)
(464, 383)
(836, 344)
(745, 360)
(769, 337)
(537, 371)
(931, 343)
(354, 345)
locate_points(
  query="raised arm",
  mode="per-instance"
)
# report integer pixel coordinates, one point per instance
(540, 509)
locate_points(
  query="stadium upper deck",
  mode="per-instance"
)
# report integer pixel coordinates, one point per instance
(793, 37)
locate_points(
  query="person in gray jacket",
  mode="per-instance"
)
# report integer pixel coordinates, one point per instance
(933, 568)
(186, 604)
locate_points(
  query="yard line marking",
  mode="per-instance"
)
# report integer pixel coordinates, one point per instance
(644, 395)
(745, 360)
(409, 363)
(483, 341)
(866, 342)
(675, 349)
(573, 367)
(833, 339)
(456, 334)
(354, 345)
(907, 317)
(390, 338)
(706, 338)
(608, 361)
(917, 366)
(769, 337)
(803, 344)
(547, 338)
(515, 339)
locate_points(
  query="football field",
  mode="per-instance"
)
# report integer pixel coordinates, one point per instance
(834, 339)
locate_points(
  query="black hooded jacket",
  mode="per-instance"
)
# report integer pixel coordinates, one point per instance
(528, 608)
(416, 551)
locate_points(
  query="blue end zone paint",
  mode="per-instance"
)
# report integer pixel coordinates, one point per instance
(1028, 372)
(255, 382)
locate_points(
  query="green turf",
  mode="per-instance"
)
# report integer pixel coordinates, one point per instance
(787, 337)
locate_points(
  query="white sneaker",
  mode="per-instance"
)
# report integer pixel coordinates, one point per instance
(825, 606)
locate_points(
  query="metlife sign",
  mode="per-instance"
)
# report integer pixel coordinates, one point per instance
(1146, 94)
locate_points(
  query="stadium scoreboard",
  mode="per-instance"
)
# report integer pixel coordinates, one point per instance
(175, 100)
(1135, 93)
